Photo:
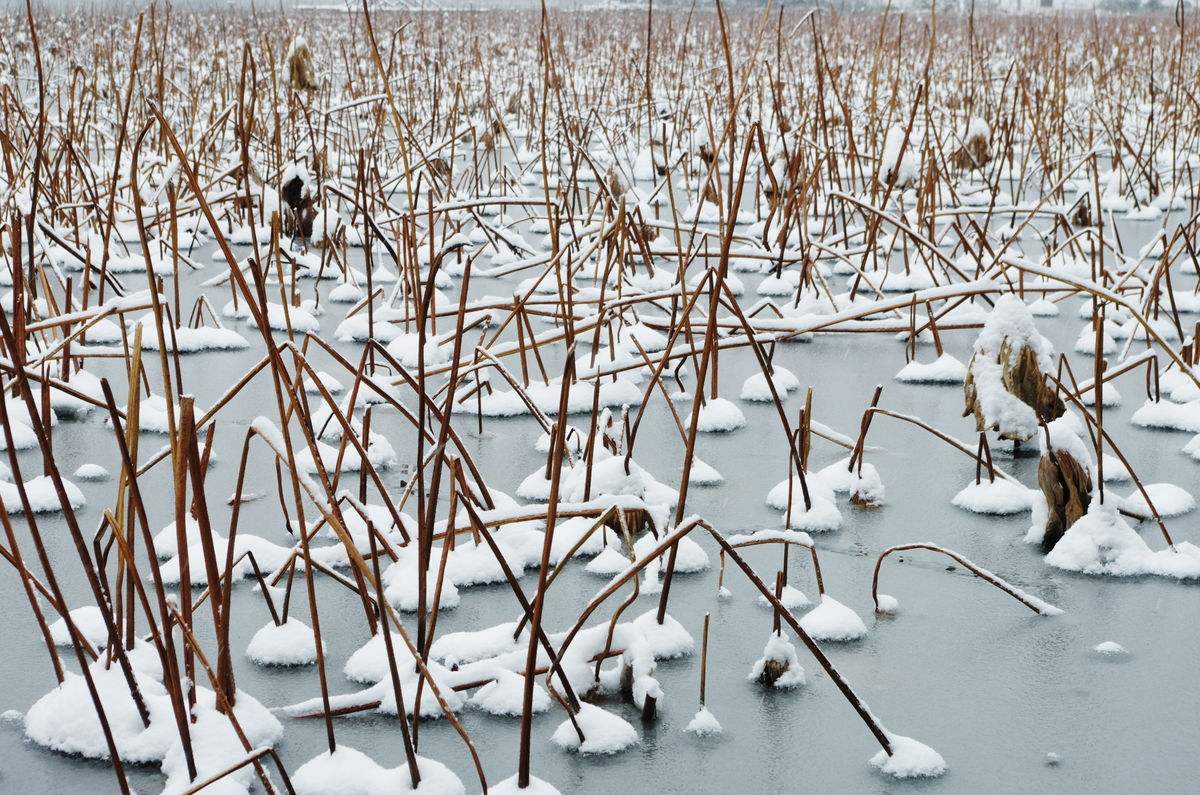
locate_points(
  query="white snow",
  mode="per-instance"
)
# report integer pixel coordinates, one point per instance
(88, 621)
(1168, 415)
(1000, 497)
(1110, 648)
(289, 643)
(42, 496)
(1101, 542)
(505, 695)
(509, 787)
(604, 733)
(832, 620)
(704, 724)
(779, 650)
(909, 759)
(886, 604)
(944, 370)
(719, 415)
(792, 598)
(348, 771)
(91, 472)
(1010, 321)
(1168, 499)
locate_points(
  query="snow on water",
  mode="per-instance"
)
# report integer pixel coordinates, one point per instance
(59, 721)
(505, 695)
(91, 472)
(755, 389)
(886, 604)
(703, 474)
(604, 732)
(1101, 542)
(791, 598)
(1169, 416)
(944, 370)
(719, 415)
(832, 620)
(1110, 648)
(779, 654)
(43, 497)
(348, 771)
(909, 759)
(1000, 497)
(510, 786)
(1168, 499)
(704, 724)
(666, 640)
(214, 741)
(289, 643)
(88, 621)
(806, 272)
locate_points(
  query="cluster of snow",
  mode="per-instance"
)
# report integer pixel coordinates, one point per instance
(1101, 542)
(1008, 329)
(289, 643)
(943, 370)
(60, 721)
(780, 651)
(348, 771)
(756, 389)
(704, 724)
(909, 759)
(999, 497)
(833, 621)
(604, 732)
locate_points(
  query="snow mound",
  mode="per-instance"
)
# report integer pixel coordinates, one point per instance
(704, 724)
(42, 496)
(703, 474)
(536, 787)
(289, 643)
(1000, 497)
(866, 487)
(348, 771)
(664, 641)
(1101, 542)
(1110, 648)
(755, 389)
(909, 759)
(719, 415)
(791, 598)
(1168, 499)
(831, 620)
(88, 620)
(603, 732)
(782, 653)
(888, 605)
(690, 557)
(943, 370)
(91, 472)
(505, 695)
(1168, 416)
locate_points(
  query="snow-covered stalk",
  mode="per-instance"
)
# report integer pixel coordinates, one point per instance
(1032, 602)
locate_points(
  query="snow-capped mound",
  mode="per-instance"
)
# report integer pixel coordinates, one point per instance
(1168, 499)
(831, 620)
(909, 759)
(1101, 542)
(943, 370)
(1000, 497)
(290, 643)
(604, 732)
